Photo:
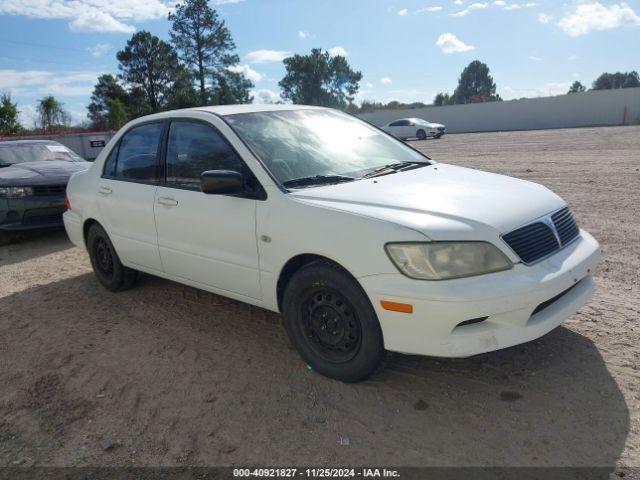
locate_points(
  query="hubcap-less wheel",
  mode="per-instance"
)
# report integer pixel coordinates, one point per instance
(331, 327)
(104, 258)
(421, 135)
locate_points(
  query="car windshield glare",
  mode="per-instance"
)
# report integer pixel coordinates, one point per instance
(34, 152)
(303, 143)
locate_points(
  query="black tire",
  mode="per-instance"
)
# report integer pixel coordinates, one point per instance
(5, 238)
(331, 322)
(105, 262)
(421, 134)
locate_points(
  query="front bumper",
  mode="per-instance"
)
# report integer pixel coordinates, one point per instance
(31, 213)
(508, 299)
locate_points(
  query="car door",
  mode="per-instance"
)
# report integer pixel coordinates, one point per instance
(126, 194)
(207, 239)
(395, 128)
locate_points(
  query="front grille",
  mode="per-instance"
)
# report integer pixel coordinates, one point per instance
(538, 239)
(49, 190)
(532, 242)
(43, 216)
(565, 225)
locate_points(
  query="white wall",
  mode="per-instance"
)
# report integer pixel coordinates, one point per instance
(594, 108)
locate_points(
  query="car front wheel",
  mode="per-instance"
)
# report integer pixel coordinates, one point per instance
(111, 273)
(421, 134)
(332, 323)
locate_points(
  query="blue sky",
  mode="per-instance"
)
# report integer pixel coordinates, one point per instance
(407, 50)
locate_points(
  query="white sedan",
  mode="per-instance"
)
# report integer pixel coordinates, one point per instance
(405, 128)
(361, 242)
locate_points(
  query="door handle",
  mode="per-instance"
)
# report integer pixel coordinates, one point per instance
(168, 202)
(105, 191)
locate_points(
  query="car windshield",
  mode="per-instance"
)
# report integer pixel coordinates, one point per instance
(297, 144)
(11, 153)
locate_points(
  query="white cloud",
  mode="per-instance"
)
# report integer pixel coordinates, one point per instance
(247, 71)
(91, 15)
(518, 6)
(39, 82)
(458, 2)
(99, 49)
(469, 9)
(573, 58)
(449, 43)
(338, 51)
(533, 58)
(224, 2)
(403, 12)
(595, 16)
(499, 3)
(546, 90)
(544, 18)
(302, 34)
(430, 9)
(369, 85)
(267, 56)
(386, 81)
(264, 95)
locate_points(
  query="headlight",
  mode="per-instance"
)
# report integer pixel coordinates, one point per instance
(445, 260)
(15, 192)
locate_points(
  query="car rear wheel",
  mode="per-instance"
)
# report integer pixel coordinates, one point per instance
(331, 322)
(421, 134)
(5, 238)
(111, 273)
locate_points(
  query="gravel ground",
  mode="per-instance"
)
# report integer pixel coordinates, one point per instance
(168, 375)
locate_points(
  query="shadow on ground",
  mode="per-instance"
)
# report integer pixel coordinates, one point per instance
(28, 246)
(168, 375)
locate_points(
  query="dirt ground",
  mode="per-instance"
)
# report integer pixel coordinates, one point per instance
(168, 375)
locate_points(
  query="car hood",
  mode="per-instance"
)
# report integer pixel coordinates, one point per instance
(444, 202)
(48, 172)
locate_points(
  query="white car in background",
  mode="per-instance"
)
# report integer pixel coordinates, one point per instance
(363, 243)
(405, 128)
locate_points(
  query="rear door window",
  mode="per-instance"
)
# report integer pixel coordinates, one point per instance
(137, 154)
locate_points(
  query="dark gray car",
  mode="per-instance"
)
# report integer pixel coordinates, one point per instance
(33, 181)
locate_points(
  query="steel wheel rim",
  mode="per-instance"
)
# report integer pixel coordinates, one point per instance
(104, 258)
(331, 327)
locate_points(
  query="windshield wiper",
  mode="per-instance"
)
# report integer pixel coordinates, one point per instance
(318, 180)
(393, 168)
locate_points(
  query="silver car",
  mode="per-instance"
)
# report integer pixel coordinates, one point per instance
(405, 128)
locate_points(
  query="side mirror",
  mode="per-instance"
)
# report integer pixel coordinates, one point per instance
(221, 182)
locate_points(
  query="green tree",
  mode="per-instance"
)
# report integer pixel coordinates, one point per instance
(231, 88)
(182, 94)
(8, 115)
(476, 85)
(319, 79)
(51, 114)
(443, 98)
(609, 81)
(149, 65)
(576, 87)
(105, 91)
(117, 115)
(203, 42)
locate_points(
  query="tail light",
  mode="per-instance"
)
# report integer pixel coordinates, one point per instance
(66, 201)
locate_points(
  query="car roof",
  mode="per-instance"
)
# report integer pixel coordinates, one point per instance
(10, 143)
(225, 110)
